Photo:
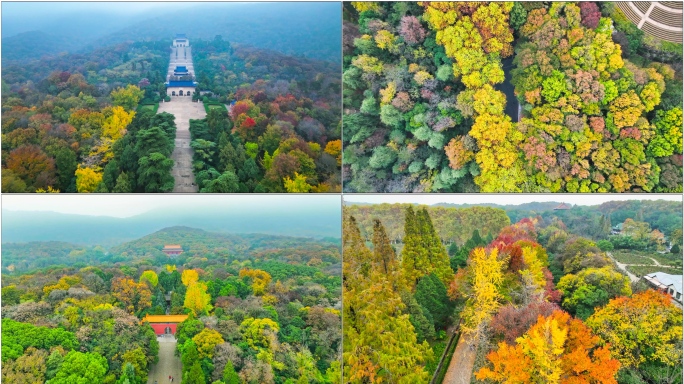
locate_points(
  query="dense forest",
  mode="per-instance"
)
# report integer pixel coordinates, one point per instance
(262, 309)
(87, 123)
(533, 302)
(282, 130)
(508, 97)
(69, 123)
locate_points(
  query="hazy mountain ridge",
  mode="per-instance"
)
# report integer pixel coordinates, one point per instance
(286, 28)
(22, 257)
(108, 231)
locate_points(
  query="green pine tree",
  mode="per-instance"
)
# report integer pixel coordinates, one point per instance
(229, 374)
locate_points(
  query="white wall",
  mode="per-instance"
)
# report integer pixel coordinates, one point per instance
(170, 90)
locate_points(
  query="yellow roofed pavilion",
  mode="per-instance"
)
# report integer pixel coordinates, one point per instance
(164, 318)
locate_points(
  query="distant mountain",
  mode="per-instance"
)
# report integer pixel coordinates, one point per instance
(199, 241)
(534, 206)
(35, 44)
(317, 220)
(23, 257)
(298, 29)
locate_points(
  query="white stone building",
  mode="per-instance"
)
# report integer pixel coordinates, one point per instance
(181, 41)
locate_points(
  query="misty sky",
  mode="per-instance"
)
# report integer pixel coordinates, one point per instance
(25, 9)
(19, 17)
(131, 205)
(504, 199)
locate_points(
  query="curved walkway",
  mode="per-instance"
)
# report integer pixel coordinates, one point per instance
(168, 365)
(623, 267)
(659, 19)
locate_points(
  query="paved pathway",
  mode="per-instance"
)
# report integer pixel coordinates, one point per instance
(183, 109)
(461, 365)
(168, 365)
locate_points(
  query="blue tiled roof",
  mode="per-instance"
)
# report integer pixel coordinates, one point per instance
(181, 68)
(181, 84)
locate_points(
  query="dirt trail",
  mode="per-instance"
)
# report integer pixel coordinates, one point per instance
(623, 267)
(168, 365)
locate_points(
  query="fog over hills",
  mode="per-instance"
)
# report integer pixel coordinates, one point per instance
(24, 226)
(306, 29)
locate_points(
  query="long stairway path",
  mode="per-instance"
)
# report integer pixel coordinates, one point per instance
(183, 109)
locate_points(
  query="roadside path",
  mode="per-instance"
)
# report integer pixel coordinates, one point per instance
(168, 365)
(462, 361)
(183, 109)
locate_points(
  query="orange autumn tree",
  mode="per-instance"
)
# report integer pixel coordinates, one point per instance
(557, 349)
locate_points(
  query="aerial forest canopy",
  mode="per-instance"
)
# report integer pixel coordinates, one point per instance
(88, 122)
(261, 309)
(530, 303)
(508, 97)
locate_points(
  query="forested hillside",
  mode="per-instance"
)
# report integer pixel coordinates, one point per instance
(72, 123)
(282, 130)
(537, 303)
(261, 309)
(453, 225)
(20, 258)
(507, 97)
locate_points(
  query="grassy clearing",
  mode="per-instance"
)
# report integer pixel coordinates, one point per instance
(645, 270)
(632, 257)
(214, 105)
(148, 107)
(668, 259)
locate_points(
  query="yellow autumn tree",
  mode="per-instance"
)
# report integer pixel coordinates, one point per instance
(260, 279)
(533, 274)
(206, 341)
(87, 179)
(150, 277)
(189, 277)
(334, 149)
(487, 276)
(113, 129)
(197, 299)
(128, 97)
(296, 185)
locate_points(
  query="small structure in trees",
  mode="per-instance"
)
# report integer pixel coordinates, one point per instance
(180, 41)
(669, 284)
(562, 207)
(164, 324)
(172, 249)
